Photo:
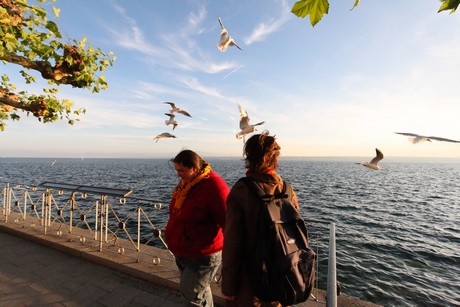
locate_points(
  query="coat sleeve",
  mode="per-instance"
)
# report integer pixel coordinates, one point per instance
(233, 251)
(219, 200)
(295, 200)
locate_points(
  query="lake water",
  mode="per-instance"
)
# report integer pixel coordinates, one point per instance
(397, 230)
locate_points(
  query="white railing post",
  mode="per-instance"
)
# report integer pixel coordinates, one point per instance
(138, 229)
(47, 211)
(72, 208)
(26, 194)
(101, 222)
(106, 214)
(6, 201)
(331, 270)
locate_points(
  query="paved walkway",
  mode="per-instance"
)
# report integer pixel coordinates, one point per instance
(34, 275)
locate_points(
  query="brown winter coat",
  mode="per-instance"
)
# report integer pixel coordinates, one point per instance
(240, 236)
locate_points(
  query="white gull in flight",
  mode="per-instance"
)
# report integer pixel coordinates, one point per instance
(164, 135)
(171, 120)
(225, 39)
(175, 109)
(373, 164)
(415, 138)
(245, 126)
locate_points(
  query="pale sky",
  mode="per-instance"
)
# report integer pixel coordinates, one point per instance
(341, 88)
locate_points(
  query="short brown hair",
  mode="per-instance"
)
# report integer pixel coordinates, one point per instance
(189, 158)
(261, 153)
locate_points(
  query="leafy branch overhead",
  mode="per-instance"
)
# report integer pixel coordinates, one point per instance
(29, 39)
(317, 8)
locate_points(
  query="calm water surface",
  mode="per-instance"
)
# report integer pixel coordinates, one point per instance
(398, 229)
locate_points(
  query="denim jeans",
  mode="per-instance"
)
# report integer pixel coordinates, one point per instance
(196, 277)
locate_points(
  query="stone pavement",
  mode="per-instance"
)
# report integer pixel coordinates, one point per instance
(34, 275)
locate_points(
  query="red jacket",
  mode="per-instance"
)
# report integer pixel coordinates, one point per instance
(197, 230)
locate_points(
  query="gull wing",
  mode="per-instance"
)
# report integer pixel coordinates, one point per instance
(261, 123)
(244, 123)
(232, 42)
(243, 112)
(408, 134)
(220, 21)
(167, 135)
(222, 44)
(173, 106)
(378, 157)
(244, 118)
(171, 116)
(442, 139)
(183, 112)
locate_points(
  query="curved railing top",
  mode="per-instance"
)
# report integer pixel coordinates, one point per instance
(86, 189)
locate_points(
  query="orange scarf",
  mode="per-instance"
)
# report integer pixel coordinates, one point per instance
(182, 189)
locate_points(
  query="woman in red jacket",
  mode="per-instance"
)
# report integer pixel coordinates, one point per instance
(194, 232)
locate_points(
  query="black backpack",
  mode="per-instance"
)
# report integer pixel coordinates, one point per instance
(284, 268)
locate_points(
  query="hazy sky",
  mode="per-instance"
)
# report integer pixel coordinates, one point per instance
(341, 88)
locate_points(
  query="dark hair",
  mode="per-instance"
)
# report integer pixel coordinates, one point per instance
(189, 158)
(261, 153)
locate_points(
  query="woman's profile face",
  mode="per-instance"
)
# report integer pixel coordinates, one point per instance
(185, 173)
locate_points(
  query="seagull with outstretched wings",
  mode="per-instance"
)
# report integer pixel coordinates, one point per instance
(171, 121)
(416, 138)
(164, 135)
(245, 125)
(225, 39)
(373, 164)
(175, 109)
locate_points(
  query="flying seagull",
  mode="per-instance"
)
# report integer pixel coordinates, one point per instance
(164, 135)
(171, 120)
(175, 109)
(374, 162)
(245, 126)
(225, 39)
(415, 138)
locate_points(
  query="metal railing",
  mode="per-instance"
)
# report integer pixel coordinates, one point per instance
(92, 215)
(110, 219)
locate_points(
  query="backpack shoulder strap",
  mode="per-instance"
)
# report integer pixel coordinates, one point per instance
(287, 189)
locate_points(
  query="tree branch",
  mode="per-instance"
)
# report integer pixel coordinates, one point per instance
(61, 73)
(10, 102)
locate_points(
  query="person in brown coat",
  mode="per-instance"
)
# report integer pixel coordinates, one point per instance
(261, 154)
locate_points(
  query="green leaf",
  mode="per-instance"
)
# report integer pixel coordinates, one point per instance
(22, 2)
(53, 27)
(449, 5)
(39, 10)
(315, 8)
